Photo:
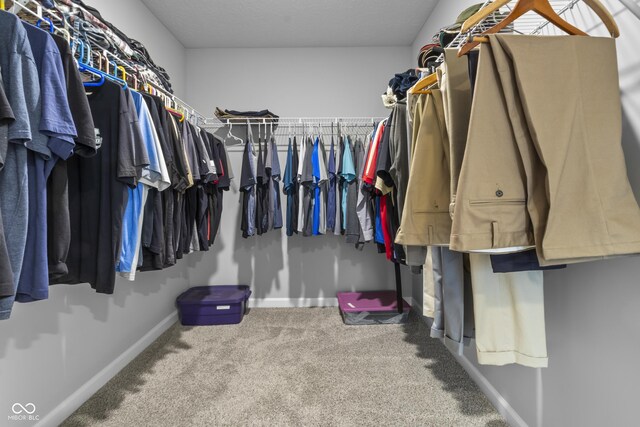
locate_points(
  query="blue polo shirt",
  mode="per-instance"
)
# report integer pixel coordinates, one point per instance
(54, 139)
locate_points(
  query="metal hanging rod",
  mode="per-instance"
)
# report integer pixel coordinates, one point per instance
(291, 121)
(134, 69)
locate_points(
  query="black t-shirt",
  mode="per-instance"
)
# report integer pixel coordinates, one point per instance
(262, 192)
(78, 102)
(58, 217)
(224, 182)
(296, 186)
(179, 152)
(98, 191)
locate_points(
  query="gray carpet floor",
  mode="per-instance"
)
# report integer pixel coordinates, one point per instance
(291, 367)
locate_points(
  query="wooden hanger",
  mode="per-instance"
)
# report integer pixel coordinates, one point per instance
(482, 14)
(595, 5)
(423, 84)
(541, 7)
(605, 16)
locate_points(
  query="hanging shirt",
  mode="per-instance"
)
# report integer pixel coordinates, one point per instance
(288, 188)
(22, 89)
(248, 188)
(58, 220)
(384, 222)
(275, 185)
(348, 174)
(296, 185)
(363, 207)
(353, 224)
(331, 193)
(154, 176)
(338, 156)
(322, 184)
(101, 183)
(369, 176)
(53, 138)
(262, 193)
(6, 117)
(301, 217)
(317, 182)
(307, 183)
(154, 228)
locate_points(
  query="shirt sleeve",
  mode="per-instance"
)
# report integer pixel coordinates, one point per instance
(126, 168)
(21, 66)
(247, 179)
(56, 120)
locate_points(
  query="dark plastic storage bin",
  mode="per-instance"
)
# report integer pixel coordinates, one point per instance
(372, 308)
(213, 305)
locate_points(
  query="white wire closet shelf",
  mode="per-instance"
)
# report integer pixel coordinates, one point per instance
(528, 24)
(291, 122)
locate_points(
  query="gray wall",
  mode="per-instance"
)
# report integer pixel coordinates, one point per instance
(135, 20)
(294, 82)
(324, 82)
(591, 309)
(49, 349)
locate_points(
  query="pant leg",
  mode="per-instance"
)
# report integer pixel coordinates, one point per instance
(581, 203)
(437, 326)
(428, 287)
(457, 107)
(453, 291)
(490, 210)
(509, 315)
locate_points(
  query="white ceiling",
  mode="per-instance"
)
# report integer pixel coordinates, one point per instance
(292, 23)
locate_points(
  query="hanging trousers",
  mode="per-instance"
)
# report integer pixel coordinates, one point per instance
(425, 218)
(544, 165)
(508, 314)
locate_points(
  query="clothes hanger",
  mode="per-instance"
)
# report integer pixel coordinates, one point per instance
(22, 7)
(230, 135)
(421, 87)
(595, 5)
(176, 113)
(47, 20)
(482, 14)
(541, 7)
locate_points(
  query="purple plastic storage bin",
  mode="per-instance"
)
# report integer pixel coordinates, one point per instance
(213, 305)
(371, 308)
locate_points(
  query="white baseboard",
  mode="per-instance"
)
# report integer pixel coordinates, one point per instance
(75, 400)
(299, 302)
(292, 302)
(504, 408)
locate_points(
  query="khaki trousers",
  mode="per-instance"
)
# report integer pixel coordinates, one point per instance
(456, 97)
(508, 310)
(544, 164)
(425, 217)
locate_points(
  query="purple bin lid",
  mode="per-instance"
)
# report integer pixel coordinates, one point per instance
(214, 295)
(355, 302)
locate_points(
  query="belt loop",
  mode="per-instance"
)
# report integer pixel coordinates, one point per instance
(494, 229)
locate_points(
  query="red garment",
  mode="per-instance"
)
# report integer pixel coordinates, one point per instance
(388, 242)
(369, 173)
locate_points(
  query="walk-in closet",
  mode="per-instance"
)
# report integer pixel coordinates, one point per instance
(336, 213)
